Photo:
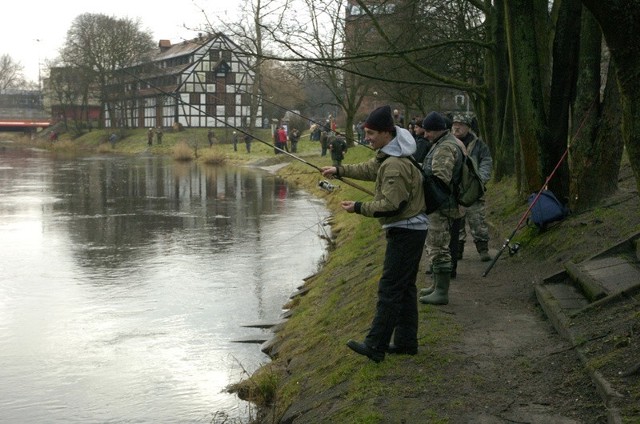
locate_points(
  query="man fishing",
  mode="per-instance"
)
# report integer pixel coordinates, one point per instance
(398, 204)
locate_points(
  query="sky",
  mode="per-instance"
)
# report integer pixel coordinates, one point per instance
(33, 31)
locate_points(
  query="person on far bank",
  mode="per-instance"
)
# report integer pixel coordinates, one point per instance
(338, 148)
(475, 214)
(235, 141)
(440, 161)
(150, 136)
(248, 138)
(159, 135)
(398, 204)
(211, 137)
(294, 138)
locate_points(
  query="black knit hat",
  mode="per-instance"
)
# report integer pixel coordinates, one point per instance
(380, 120)
(434, 122)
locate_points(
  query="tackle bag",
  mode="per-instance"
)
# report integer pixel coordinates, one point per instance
(546, 210)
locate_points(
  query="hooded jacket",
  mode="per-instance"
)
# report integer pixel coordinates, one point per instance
(398, 190)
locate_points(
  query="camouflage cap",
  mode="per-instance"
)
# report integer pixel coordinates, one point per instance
(462, 118)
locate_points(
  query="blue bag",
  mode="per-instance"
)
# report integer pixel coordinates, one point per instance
(546, 210)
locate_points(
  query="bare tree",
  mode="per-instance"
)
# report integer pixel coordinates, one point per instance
(100, 46)
(10, 73)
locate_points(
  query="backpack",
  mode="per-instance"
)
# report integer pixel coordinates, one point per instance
(435, 191)
(468, 187)
(546, 210)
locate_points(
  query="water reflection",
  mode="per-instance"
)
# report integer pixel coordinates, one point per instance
(123, 282)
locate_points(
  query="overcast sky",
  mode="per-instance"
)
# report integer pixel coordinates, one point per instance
(34, 30)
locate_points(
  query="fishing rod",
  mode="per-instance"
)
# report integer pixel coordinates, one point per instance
(199, 109)
(535, 199)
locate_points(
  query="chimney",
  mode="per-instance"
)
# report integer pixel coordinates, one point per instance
(164, 45)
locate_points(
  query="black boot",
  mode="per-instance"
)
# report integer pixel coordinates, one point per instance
(460, 249)
(483, 250)
(366, 350)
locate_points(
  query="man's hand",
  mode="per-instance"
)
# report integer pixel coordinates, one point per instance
(348, 205)
(328, 171)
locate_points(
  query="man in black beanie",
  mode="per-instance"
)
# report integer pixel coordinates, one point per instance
(398, 204)
(444, 162)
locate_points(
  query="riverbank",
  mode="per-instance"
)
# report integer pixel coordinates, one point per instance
(490, 356)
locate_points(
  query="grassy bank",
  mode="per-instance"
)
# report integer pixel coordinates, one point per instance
(312, 372)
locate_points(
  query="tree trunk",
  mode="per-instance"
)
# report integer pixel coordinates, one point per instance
(620, 24)
(596, 146)
(563, 81)
(527, 89)
(498, 120)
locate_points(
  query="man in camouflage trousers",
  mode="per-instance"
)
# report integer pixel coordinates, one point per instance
(440, 161)
(474, 214)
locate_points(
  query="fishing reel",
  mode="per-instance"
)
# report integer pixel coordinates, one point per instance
(326, 185)
(513, 248)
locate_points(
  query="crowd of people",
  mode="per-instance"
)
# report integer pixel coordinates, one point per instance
(435, 142)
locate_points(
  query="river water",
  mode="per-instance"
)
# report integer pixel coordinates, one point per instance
(125, 282)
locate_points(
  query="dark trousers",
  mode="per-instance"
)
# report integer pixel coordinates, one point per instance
(397, 306)
(453, 243)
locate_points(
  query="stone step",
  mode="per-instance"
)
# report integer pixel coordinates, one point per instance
(595, 281)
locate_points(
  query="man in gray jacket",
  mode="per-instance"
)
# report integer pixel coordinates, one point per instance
(399, 206)
(475, 214)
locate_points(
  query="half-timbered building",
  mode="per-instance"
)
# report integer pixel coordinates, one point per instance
(204, 82)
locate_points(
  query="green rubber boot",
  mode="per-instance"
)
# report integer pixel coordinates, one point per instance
(428, 290)
(440, 296)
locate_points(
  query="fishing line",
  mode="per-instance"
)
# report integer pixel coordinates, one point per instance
(199, 109)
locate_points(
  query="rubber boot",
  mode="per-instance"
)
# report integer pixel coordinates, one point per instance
(430, 289)
(483, 250)
(440, 295)
(460, 249)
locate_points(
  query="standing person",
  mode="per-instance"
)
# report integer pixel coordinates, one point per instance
(211, 137)
(235, 141)
(442, 161)
(282, 139)
(159, 135)
(422, 144)
(247, 141)
(294, 137)
(150, 137)
(397, 118)
(324, 141)
(338, 147)
(476, 213)
(112, 139)
(360, 131)
(399, 206)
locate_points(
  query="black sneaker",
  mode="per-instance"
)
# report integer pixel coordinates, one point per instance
(401, 350)
(361, 348)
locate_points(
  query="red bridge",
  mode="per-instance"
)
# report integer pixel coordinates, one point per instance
(22, 110)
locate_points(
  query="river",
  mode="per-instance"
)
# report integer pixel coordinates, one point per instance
(125, 283)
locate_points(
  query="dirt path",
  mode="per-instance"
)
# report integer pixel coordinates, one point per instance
(517, 367)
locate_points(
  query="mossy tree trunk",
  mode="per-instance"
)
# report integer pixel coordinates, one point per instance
(596, 145)
(620, 24)
(565, 53)
(497, 107)
(527, 89)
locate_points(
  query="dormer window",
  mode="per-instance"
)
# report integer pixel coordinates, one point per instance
(222, 69)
